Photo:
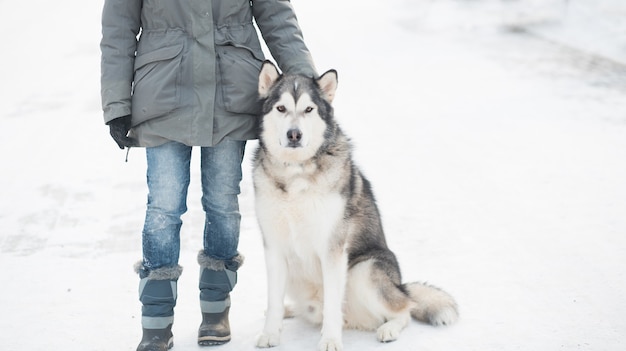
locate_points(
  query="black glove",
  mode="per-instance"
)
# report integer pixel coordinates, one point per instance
(119, 128)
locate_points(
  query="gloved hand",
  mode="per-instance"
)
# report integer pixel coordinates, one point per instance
(119, 128)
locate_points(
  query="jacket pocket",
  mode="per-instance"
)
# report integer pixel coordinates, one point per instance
(156, 83)
(239, 77)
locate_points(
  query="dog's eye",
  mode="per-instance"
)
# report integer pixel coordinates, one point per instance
(281, 108)
(308, 109)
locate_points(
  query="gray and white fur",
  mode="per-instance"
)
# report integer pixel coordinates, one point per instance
(324, 243)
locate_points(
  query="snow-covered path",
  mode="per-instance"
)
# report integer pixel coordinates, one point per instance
(498, 160)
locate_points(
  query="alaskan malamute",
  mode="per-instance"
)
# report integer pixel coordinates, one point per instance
(324, 242)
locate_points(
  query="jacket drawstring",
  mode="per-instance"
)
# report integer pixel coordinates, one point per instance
(127, 152)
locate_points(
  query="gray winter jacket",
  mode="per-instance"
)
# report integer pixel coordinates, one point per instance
(187, 70)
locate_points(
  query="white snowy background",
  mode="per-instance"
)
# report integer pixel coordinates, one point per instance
(494, 133)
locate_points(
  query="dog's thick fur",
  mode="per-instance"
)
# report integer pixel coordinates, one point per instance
(324, 242)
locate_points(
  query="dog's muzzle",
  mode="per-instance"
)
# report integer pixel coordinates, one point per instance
(294, 137)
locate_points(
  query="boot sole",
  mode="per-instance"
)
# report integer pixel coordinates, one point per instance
(213, 340)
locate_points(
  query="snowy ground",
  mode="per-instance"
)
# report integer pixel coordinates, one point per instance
(496, 148)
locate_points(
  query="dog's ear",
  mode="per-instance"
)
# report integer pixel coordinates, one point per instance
(328, 83)
(269, 74)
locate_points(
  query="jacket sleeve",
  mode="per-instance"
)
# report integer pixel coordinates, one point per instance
(121, 22)
(281, 32)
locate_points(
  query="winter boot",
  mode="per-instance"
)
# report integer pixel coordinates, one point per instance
(156, 339)
(217, 279)
(214, 329)
(157, 293)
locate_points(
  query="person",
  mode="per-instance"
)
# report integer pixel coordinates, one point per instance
(179, 74)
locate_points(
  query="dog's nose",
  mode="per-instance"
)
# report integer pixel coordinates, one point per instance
(294, 135)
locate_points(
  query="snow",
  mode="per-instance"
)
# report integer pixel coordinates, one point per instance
(494, 133)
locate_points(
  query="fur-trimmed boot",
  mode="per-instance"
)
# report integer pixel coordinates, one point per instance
(217, 279)
(157, 293)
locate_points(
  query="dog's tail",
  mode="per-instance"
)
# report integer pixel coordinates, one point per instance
(432, 305)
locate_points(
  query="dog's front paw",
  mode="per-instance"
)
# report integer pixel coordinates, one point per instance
(330, 345)
(266, 340)
(387, 333)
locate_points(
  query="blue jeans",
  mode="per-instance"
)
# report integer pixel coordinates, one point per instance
(168, 181)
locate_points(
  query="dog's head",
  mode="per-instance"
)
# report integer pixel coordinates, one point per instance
(297, 113)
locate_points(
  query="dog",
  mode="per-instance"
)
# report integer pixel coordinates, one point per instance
(323, 239)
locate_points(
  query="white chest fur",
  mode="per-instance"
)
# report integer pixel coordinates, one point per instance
(298, 210)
